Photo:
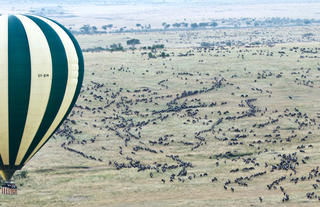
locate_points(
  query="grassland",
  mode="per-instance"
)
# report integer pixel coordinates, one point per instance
(211, 126)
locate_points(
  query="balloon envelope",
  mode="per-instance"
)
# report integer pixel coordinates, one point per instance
(41, 72)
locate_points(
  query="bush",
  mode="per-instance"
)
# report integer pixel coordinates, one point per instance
(163, 55)
(151, 55)
(206, 44)
(22, 174)
(194, 25)
(214, 24)
(153, 47)
(203, 24)
(116, 47)
(133, 42)
(159, 46)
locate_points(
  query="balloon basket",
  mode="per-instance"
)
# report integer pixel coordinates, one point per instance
(9, 188)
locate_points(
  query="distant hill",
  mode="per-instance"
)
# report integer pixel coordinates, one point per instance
(115, 2)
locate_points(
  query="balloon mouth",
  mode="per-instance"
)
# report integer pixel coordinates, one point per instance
(7, 174)
(7, 171)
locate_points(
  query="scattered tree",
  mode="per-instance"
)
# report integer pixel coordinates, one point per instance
(203, 24)
(214, 24)
(108, 26)
(151, 55)
(116, 47)
(194, 25)
(133, 42)
(163, 55)
(85, 29)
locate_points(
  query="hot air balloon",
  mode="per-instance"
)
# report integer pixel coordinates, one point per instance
(41, 73)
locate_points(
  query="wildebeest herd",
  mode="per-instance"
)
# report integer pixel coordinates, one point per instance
(234, 117)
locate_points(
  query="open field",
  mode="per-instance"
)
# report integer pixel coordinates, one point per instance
(127, 13)
(204, 117)
(215, 126)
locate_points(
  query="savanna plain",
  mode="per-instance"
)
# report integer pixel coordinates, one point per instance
(197, 117)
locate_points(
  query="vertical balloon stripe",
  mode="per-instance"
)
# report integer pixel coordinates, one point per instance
(41, 78)
(73, 70)
(4, 125)
(80, 79)
(1, 163)
(19, 79)
(81, 67)
(59, 81)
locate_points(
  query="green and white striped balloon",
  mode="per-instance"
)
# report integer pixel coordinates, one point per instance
(41, 73)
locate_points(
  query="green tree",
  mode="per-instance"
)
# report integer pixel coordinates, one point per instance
(307, 21)
(184, 24)
(194, 25)
(214, 24)
(150, 55)
(177, 25)
(203, 24)
(107, 26)
(163, 55)
(165, 25)
(85, 29)
(94, 29)
(116, 47)
(133, 42)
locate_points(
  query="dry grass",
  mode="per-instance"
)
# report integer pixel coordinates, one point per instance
(57, 177)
